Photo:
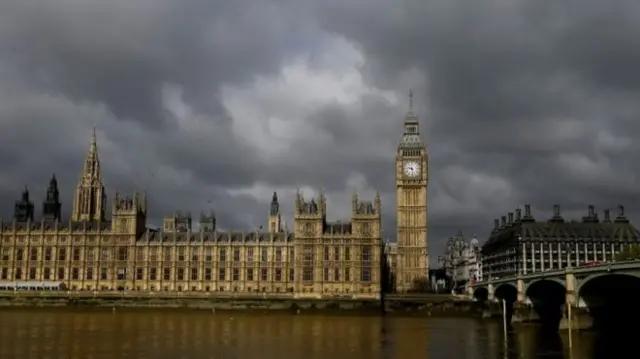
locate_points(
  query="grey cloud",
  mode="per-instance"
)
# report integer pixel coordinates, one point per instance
(521, 102)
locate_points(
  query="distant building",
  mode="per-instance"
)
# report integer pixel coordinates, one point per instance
(522, 245)
(461, 261)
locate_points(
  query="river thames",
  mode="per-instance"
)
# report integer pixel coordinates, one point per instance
(43, 334)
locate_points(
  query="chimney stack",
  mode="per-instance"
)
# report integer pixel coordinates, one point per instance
(592, 211)
(607, 215)
(496, 223)
(504, 220)
(527, 210)
(510, 217)
(518, 214)
(556, 210)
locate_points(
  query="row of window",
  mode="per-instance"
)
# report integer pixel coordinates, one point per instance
(251, 274)
(123, 254)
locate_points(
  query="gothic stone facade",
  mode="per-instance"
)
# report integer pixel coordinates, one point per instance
(91, 252)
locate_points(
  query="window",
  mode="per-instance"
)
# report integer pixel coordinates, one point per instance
(18, 273)
(236, 274)
(104, 254)
(307, 274)
(222, 274)
(34, 254)
(194, 273)
(166, 252)
(326, 253)
(279, 255)
(207, 255)
(180, 274)
(291, 274)
(60, 273)
(139, 273)
(307, 253)
(153, 274)
(76, 254)
(249, 273)
(181, 254)
(195, 255)
(347, 274)
(32, 273)
(103, 274)
(89, 273)
(365, 274)
(75, 273)
(47, 274)
(326, 274)
(207, 274)
(62, 254)
(366, 253)
(166, 273)
(264, 255)
(236, 255)
(5, 254)
(90, 254)
(47, 254)
(336, 274)
(222, 255)
(264, 274)
(347, 254)
(249, 255)
(278, 274)
(140, 254)
(4, 274)
(336, 253)
(19, 254)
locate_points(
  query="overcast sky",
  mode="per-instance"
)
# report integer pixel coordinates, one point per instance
(227, 101)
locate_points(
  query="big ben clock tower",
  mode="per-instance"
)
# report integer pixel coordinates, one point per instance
(412, 178)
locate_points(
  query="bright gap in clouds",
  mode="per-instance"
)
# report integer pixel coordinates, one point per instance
(272, 113)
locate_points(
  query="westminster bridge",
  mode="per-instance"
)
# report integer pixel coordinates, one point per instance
(608, 293)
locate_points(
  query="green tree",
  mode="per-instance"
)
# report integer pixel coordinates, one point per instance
(629, 253)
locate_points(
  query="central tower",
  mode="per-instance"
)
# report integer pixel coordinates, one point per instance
(90, 199)
(412, 178)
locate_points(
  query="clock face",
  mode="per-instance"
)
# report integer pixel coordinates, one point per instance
(412, 169)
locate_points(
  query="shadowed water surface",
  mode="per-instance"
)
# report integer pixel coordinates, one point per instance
(201, 335)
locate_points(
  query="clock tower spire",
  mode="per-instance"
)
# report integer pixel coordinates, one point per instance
(412, 178)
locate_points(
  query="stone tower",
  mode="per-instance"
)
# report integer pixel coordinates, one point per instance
(275, 223)
(51, 207)
(411, 190)
(90, 199)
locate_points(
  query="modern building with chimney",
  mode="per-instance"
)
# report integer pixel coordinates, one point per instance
(520, 245)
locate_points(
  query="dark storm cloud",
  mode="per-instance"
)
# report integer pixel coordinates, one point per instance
(521, 102)
(541, 94)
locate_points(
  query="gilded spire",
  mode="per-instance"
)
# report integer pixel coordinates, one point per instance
(410, 101)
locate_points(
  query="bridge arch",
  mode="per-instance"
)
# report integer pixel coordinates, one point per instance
(593, 277)
(612, 298)
(548, 296)
(481, 293)
(556, 280)
(506, 291)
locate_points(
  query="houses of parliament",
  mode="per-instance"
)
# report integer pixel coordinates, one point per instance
(95, 252)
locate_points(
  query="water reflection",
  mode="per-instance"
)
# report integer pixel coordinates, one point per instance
(197, 335)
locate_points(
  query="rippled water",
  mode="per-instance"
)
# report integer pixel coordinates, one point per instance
(199, 335)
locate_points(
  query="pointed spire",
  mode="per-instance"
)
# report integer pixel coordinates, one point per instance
(410, 116)
(411, 100)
